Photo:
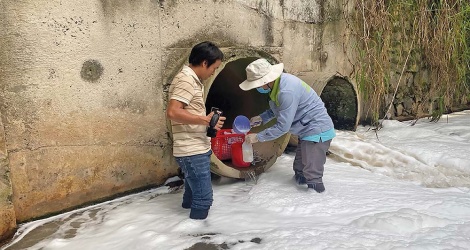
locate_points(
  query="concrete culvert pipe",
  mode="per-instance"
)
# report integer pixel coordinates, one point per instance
(225, 94)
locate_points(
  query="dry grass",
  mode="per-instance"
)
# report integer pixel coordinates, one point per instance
(394, 37)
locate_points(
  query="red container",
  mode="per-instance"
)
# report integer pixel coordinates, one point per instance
(222, 142)
(237, 156)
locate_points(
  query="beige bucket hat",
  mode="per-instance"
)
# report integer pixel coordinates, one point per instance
(260, 72)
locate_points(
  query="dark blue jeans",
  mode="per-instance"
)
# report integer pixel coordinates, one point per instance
(197, 180)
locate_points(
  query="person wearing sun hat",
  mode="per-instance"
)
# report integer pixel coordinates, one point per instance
(298, 110)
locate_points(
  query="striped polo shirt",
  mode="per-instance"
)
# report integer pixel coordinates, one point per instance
(189, 139)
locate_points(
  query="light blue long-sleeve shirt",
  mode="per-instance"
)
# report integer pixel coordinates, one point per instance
(298, 109)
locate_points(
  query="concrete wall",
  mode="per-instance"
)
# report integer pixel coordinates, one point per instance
(83, 85)
(7, 213)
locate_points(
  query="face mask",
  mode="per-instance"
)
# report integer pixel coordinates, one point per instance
(263, 91)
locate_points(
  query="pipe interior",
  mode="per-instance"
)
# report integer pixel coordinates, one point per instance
(225, 94)
(338, 95)
(340, 100)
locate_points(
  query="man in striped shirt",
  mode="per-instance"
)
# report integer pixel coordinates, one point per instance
(189, 122)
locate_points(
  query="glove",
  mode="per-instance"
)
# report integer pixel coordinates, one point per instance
(251, 138)
(256, 121)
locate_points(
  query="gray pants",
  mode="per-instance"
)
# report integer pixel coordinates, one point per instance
(310, 158)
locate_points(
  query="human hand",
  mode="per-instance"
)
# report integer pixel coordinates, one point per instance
(215, 121)
(251, 138)
(220, 123)
(256, 121)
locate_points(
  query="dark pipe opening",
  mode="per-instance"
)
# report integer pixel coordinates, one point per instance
(226, 95)
(340, 100)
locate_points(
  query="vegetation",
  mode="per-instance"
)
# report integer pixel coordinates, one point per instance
(429, 39)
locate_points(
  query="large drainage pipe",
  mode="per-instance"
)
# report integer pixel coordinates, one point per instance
(223, 92)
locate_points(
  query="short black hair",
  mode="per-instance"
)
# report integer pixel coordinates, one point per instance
(205, 51)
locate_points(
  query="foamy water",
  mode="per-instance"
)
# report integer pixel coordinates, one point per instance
(377, 197)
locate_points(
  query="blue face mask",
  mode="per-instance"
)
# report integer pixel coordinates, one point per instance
(263, 91)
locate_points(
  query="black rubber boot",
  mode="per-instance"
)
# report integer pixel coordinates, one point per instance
(300, 179)
(198, 214)
(319, 187)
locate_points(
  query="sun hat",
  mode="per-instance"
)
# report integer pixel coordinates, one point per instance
(260, 72)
